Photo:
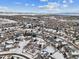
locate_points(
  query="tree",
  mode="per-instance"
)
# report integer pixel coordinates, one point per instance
(12, 57)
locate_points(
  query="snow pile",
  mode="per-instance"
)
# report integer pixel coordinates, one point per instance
(4, 21)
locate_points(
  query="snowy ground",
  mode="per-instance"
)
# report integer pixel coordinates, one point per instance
(5, 21)
(21, 44)
(56, 55)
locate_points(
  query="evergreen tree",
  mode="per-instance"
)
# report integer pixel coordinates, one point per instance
(12, 57)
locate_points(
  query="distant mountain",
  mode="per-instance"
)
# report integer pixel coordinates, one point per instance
(72, 14)
(17, 13)
(32, 13)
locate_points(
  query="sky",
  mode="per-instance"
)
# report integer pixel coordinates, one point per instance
(40, 6)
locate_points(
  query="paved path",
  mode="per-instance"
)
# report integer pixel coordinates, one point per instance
(14, 53)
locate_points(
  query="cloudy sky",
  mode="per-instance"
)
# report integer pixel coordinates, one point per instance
(40, 6)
